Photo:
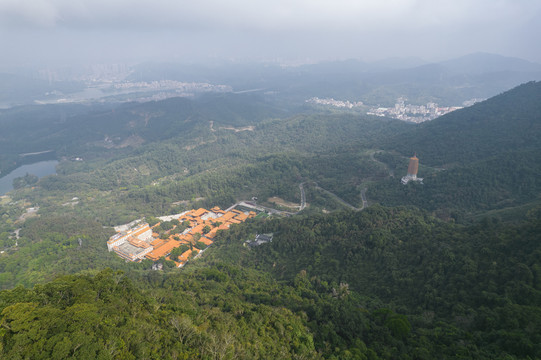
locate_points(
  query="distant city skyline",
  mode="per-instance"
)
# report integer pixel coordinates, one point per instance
(61, 32)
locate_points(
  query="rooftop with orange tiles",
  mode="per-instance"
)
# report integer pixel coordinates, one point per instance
(242, 217)
(163, 250)
(199, 212)
(186, 255)
(163, 247)
(206, 241)
(138, 243)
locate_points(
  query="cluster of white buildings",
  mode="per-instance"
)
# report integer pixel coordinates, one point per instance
(400, 111)
(336, 103)
(132, 244)
(412, 113)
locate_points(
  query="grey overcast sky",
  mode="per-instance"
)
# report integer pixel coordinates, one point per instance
(85, 31)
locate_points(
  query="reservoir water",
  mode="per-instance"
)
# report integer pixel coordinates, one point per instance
(39, 169)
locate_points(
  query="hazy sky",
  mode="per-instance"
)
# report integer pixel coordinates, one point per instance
(65, 31)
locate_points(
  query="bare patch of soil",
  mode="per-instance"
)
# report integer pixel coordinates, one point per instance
(282, 202)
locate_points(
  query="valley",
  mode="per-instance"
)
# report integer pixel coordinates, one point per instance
(245, 180)
(426, 270)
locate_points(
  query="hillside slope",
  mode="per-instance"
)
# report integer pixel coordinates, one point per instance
(385, 283)
(508, 122)
(474, 160)
(473, 291)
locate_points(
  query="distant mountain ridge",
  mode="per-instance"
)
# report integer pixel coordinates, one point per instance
(380, 82)
(449, 82)
(479, 63)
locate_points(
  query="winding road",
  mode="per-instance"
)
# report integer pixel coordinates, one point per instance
(303, 197)
(391, 172)
(252, 205)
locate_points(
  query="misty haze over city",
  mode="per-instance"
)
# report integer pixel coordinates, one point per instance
(55, 33)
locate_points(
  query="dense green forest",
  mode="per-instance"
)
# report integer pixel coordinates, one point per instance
(219, 165)
(506, 181)
(383, 283)
(473, 160)
(108, 130)
(472, 290)
(444, 269)
(187, 316)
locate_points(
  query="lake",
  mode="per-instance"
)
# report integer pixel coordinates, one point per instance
(39, 169)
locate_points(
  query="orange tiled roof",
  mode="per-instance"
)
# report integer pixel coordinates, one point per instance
(134, 232)
(199, 212)
(186, 254)
(163, 250)
(187, 237)
(157, 242)
(197, 229)
(142, 230)
(206, 241)
(227, 216)
(114, 238)
(211, 234)
(172, 236)
(241, 217)
(138, 243)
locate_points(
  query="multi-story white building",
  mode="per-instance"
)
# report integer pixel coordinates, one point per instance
(133, 249)
(142, 232)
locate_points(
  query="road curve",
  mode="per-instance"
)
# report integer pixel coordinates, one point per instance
(303, 197)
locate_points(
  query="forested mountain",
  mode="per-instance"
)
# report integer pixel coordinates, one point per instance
(103, 130)
(477, 159)
(510, 121)
(445, 276)
(477, 284)
(106, 316)
(483, 63)
(381, 284)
